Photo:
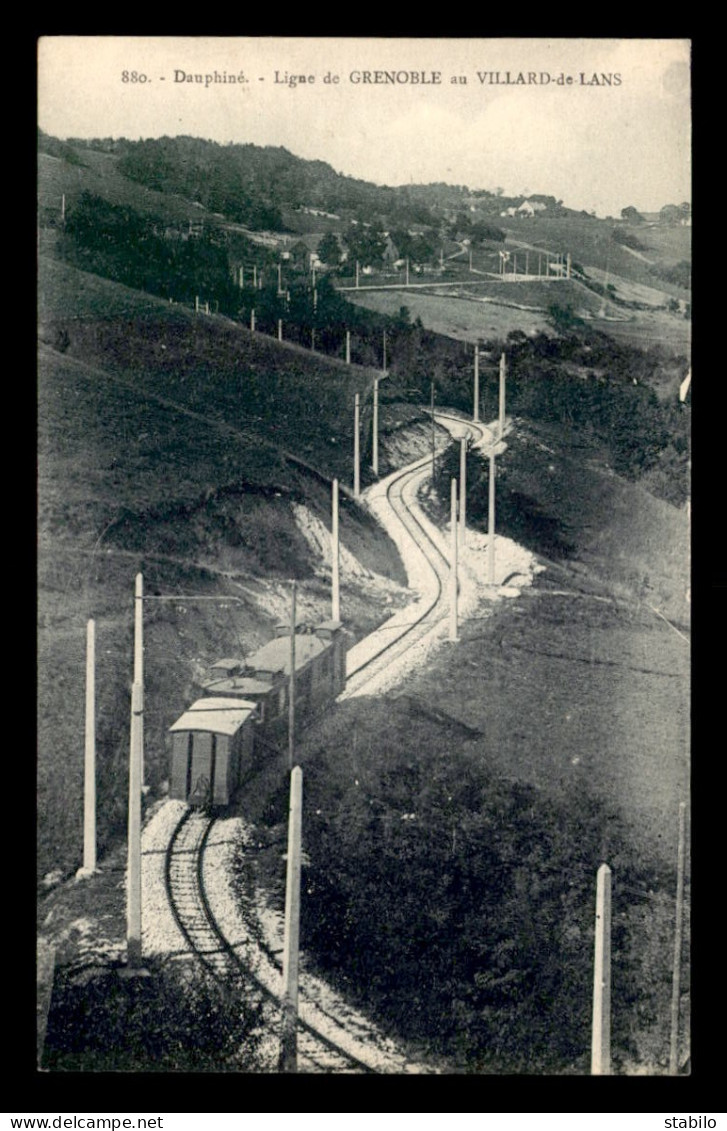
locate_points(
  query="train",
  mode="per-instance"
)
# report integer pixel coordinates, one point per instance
(242, 712)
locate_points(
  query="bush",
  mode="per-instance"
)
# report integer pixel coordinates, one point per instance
(177, 1020)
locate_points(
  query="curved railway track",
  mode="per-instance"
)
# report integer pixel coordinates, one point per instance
(438, 564)
(184, 868)
(193, 914)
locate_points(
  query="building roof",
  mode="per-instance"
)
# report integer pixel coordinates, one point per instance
(218, 715)
(275, 655)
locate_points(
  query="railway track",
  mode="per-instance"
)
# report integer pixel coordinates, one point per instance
(400, 494)
(326, 1043)
(186, 891)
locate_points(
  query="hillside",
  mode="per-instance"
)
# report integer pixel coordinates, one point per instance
(190, 450)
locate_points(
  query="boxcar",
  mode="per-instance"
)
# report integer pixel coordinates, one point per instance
(212, 745)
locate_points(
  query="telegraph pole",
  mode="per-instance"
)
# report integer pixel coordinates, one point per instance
(252, 319)
(139, 652)
(254, 275)
(348, 347)
(476, 413)
(434, 458)
(291, 687)
(601, 1034)
(676, 974)
(89, 776)
(335, 558)
(133, 910)
(356, 447)
(503, 373)
(491, 520)
(463, 489)
(453, 565)
(375, 426)
(357, 272)
(384, 365)
(289, 1043)
(280, 329)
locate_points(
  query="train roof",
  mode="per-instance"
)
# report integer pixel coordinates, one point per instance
(275, 655)
(218, 715)
(244, 684)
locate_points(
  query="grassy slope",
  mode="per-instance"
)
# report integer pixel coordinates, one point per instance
(157, 460)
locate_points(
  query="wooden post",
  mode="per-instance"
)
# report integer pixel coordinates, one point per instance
(291, 685)
(133, 905)
(463, 490)
(335, 558)
(280, 329)
(139, 651)
(676, 973)
(356, 447)
(434, 450)
(568, 266)
(254, 275)
(375, 430)
(242, 278)
(63, 208)
(527, 263)
(476, 412)
(491, 520)
(407, 271)
(315, 299)
(312, 338)
(289, 1049)
(357, 272)
(280, 280)
(503, 373)
(540, 264)
(601, 1036)
(89, 775)
(470, 261)
(348, 347)
(252, 319)
(384, 365)
(453, 565)
(206, 307)
(196, 304)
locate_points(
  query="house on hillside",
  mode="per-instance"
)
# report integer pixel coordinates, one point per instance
(391, 251)
(509, 212)
(530, 208)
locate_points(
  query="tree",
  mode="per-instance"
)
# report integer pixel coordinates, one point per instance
(631, 215)
(329, 250)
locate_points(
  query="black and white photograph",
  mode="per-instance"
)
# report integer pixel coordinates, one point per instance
(363, 571)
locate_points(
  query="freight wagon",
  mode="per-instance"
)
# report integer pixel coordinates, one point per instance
(213, 742)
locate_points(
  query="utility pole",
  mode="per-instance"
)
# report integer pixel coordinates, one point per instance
(289, 1043)
(453, 565)
(348, 347)
(356, 447)
(568, 266)
(476, 412)
(527, 263)
(407, 271)
(463, 489)
(89, 776)
(133, 910)
(384, 365)
(434, 457)
(196, 304)
(503, 374)
(252, 319)
(280, 279)
(254, 275)
(335, 558)
(470, 261)
(676, 973)
(601, 1033)
(291, 686)
(280, 329)
(357, 272)
(491, 519)
(242, 278)
(63, 208)
(139, 652)
(375, 429)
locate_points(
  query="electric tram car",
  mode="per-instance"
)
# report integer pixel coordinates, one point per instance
(245, 701)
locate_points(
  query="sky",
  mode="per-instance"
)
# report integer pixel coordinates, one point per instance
(596, 146)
